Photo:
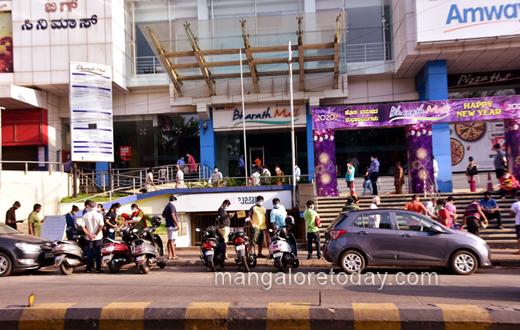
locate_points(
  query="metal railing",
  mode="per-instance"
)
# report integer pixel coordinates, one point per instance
(369, 52)
(26, 166)
(149, 65)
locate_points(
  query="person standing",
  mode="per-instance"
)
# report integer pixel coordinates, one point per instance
(225, 222)
(256, 178)
(278, 214)
(398, 178)
(10, 216)
(72, 222)
(172, 226)
(431, 207)
(508, 183)
(34, 221)
(192, 166)
(444, 214)
(279, 173)
(349, 176)
(374, 220)
(149, 180)
(179, 178)
(515, 211)
(367, 183)
(500, 161)
(491, 209)
(416, 206)
(435, 173)
(452, 210)
(111, 220)
(241, 167)
(471, 172)
(374, 174)
(313, 231)
(266, 173)
(181, 162)
(257, 214)
(350, 205)
(472, 217)
(92, 224)
(216, 177)
(297, 173)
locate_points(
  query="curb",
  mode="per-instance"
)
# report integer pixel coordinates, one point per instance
(221, 315)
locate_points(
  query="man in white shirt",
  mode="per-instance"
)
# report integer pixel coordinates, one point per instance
(297, 173)
(256, 178)
(92, 225)
(149, 180)
(435, 173)
(515, 211)
(431, 207)
(216, 177)
(374, 220)
(180, 178)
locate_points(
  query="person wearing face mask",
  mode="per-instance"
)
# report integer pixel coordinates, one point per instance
(34, 221)
(111, 221)
(72, 222)
(515, 212)
(92, 224)
(313, 231)
(374, 173)
(137, 219)
(279, 174)
(257, 214)
(278, 214)
(172, 226)
(216, 177)
(490, 208)
(225, 221)
(375, 219)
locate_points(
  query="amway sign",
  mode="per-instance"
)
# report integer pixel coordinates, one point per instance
(466, 19)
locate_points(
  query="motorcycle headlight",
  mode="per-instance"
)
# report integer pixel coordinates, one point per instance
(29, 248)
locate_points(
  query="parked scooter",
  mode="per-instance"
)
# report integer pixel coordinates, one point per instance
(245, 256)
(117, 253)
(149, 249)
(283, 248)
(70, 254)
(212, 248)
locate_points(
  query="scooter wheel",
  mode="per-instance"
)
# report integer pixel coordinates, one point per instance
(245, 264)
(253, 263)
(281, 266)
(144, 268)
(113, 267)
(211, 265)
(161, 264)
(66, 269)
(296, 264)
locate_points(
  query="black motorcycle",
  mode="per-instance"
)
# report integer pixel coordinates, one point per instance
(245, 256)
(212, 248)
(149, 250)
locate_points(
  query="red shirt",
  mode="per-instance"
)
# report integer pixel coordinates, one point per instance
(414, 206)
(445, 215)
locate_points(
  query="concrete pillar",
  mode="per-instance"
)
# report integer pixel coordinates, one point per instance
(208, 154)
(432, 84)
(310, 145)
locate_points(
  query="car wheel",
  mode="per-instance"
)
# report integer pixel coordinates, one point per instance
(6, 265)
(352, 262)
(463, 263)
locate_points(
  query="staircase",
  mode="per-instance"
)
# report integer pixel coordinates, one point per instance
(330, 207)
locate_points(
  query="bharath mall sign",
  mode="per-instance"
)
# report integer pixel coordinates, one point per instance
(259, 115)
(280, 116)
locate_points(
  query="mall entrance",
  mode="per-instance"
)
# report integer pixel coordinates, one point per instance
(389, 144)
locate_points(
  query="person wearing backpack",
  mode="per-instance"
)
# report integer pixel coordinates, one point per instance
(471, 172)
(472, 218)
(313, 224)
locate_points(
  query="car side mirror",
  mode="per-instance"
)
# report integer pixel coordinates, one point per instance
(436, 229)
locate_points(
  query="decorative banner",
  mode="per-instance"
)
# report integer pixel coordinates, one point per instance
(92, 138)
(513, 145)
(125, 153)
(325, 162)
(420, 161)
(6, 42)
(445, 111)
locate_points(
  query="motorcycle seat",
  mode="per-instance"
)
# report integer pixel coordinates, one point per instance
(274, 239)
(109, 240)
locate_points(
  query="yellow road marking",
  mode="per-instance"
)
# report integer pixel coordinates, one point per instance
(376, 316)
(44, 317)
(281, 316)
(462, 317)
(120, 315)
(207, 316)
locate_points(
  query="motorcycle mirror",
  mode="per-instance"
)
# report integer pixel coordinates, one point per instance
(197, 230)
(135, 230)
(270, 230)
(247, 220)
(111, 230)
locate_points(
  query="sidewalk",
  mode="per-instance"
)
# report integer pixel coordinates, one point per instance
(190, 257)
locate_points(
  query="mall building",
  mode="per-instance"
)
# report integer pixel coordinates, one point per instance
(177, 88)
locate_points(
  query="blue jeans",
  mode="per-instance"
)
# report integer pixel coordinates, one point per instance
(316, 238)
(366, 184)
(93, 249)
(111, 235)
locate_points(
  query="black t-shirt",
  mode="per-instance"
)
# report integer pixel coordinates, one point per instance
(11, 215)
(112, 217)
(225, 219)
(167, 214)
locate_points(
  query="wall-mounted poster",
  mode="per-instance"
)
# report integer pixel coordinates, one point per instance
(6, 42)
(475, 140)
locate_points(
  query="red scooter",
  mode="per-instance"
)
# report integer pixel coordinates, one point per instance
(117, 253)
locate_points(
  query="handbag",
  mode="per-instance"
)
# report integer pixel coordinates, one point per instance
(318, 222)
(473, 171)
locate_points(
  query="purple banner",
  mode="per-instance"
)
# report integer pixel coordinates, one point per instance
(325, 162)
(486, 108)
(513, 145)
(420, 161)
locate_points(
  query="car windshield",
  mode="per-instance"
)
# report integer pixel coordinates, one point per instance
(6, 230)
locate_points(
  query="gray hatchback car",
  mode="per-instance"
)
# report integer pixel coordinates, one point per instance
(390, 237)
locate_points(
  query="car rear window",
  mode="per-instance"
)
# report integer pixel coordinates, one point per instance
(339, 219)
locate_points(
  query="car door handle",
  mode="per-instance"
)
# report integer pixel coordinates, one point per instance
(362, 232)
(406, 235)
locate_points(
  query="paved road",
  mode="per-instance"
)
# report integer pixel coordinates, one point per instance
(179, 286)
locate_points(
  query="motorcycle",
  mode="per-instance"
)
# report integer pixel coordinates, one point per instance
(245, 256)
(149, 249)
(117, 253)
(283, 248)
(70, 254)
(212, 248)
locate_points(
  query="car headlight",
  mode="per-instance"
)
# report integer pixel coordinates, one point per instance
(29, 248)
